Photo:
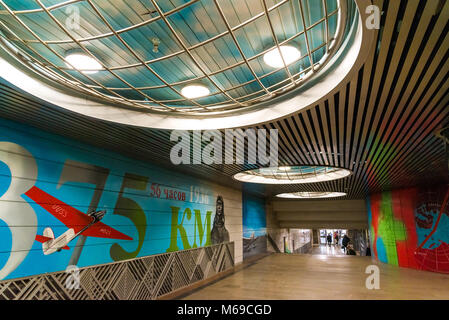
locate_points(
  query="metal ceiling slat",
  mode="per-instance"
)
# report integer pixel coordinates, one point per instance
(366, 78)
(307, 133)
(285, 156)
(286, 138)
(333, 128)
(388, 84)
(327, 142)
(363, 115)
(295, 144)
(340, 99)
(293, 124)
(378, 88)
(305, 139)
(318, 136)
(408, 138)
(398, 175)
(390, 22)
(359, 101)
(413, 144)
(418, 115)
(408, 64)
(350, 101)
(311, 133)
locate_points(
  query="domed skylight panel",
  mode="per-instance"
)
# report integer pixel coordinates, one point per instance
(195, 57)
(311, 195)
(292, 175)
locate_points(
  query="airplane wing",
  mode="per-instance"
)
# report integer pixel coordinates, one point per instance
(101, 230)
(72, 217)
(43, 239)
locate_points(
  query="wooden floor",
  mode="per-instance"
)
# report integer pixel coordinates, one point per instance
(314, 276)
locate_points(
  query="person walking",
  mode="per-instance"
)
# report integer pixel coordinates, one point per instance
(345, 242)
(329, 239)
(336, 238)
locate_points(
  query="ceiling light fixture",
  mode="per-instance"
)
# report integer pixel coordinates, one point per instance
(195, 91)
(156, 42)
(293, 175)
(273, 57)
(310, 195)
(82, 62)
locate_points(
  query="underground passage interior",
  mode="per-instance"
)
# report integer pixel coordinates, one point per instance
(224, 150)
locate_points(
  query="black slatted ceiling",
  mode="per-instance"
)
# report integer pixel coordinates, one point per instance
(380, 124)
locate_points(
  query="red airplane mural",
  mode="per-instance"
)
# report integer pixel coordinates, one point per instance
(79, 223)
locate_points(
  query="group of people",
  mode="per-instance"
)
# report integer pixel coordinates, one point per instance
(345, 243)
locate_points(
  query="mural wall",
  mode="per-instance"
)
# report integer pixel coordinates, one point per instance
(65, 203)
(254, 226)
(410, 227)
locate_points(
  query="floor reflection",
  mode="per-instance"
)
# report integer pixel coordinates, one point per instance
(324, 249)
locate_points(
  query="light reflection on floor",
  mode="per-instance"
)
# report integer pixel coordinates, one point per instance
(326, 250)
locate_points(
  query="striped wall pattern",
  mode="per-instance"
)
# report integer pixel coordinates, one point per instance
(139, 279)
(379, 124)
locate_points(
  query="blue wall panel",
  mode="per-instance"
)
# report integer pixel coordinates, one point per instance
(137, 197)
(254, 226)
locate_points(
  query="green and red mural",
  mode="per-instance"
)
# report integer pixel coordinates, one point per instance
(410, 227)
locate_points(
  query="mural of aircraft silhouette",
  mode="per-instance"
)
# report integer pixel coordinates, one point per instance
(77, 222)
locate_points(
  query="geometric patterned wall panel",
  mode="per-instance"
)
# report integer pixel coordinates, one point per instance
(144, 278)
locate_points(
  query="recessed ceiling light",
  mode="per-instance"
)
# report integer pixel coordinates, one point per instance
(83, 63)
(310, 195)
(273, 57)
(295, 174)
(195, 91)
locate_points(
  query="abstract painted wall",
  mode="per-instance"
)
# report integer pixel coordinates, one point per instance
(410, 227)
(254, 226)
(51, 186)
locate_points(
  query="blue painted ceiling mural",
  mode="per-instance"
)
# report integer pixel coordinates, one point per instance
(150, 50)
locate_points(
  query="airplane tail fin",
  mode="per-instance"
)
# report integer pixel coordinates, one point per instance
(48, 232)
(46, 239)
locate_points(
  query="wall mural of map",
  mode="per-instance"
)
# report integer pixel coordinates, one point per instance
(410, 227)
(54, 192)
(254, 226)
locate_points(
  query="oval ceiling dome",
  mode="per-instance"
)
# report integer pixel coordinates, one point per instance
(130, 59)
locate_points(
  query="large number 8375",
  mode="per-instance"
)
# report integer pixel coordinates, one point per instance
(21, 218)
(86, 173)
